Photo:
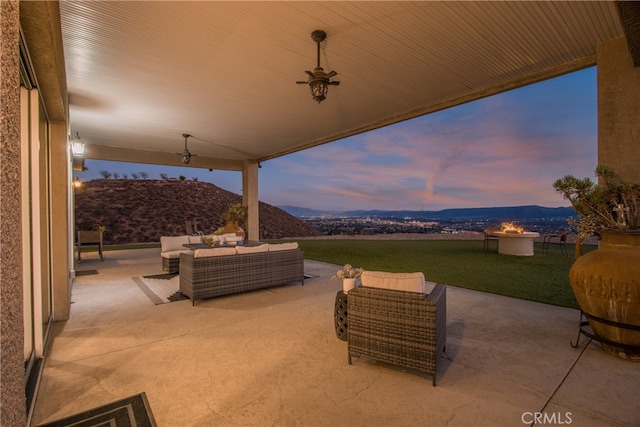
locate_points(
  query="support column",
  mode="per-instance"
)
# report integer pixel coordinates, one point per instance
(618, 110)
(61, 235)
(250, 198)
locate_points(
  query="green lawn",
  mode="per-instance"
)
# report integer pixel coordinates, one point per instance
(462, 263)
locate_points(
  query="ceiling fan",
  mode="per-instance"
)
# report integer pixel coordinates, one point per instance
(319, 81)
(186, 155)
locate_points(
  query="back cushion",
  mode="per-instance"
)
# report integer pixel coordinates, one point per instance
(199, 253)
(173, 243)
(412, 282)
(251, 249)
(282, 246)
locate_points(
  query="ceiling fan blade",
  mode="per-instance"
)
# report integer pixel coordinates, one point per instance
(301, 82)
(332, 73)
(309, 72)
(334, 83)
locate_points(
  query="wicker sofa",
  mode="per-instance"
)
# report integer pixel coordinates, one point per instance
(396, 318)
(172, 246)
(206, 273)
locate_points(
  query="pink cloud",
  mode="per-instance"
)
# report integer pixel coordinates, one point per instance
(501, 151)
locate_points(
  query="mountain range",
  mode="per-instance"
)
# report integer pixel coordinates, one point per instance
(495, 213)
(136, 211)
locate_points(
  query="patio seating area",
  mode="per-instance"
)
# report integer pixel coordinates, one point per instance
(271, 357)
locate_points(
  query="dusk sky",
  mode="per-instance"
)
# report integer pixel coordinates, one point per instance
(505, 150)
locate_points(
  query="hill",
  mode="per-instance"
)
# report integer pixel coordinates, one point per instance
(498, 213)
(140, 211)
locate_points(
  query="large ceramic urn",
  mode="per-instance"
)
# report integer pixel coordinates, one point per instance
(606, 283)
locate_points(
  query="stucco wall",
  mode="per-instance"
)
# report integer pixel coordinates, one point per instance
(618, 110)
(12, 395)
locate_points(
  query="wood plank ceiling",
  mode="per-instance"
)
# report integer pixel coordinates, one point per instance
(140, 74)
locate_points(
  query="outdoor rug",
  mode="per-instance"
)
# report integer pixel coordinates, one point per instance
(161, 288)
(129, 412)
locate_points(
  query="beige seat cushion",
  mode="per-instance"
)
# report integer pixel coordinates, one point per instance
(251, 249)
(282, 246)
(174, 254)
(412, 282)
(199, 253)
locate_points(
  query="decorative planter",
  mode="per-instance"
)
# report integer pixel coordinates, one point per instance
(606, 283)
(234, 227)
(348, 284)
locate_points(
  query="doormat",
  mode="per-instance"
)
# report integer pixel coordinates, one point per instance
(86, 272)
(129, 412)
(160, 290)
(165, 276)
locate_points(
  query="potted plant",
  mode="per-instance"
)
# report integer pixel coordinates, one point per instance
(210, 241)
(605, 281)
(609, 205)
(235, 214)
(349, 276)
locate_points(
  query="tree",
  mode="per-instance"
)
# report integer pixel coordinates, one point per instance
(144, 175)
(116, 175)
(105, 174)
(135, 176)
(125, 176)
(164, 176)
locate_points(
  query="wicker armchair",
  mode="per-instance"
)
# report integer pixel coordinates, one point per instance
(398, 327)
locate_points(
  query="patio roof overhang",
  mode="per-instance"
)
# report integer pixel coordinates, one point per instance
(140, 74)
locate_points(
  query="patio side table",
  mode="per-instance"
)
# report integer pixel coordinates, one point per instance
(340, 316)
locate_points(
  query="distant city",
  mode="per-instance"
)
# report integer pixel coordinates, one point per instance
(531, 218)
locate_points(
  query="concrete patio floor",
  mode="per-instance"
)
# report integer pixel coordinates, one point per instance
(271, 357)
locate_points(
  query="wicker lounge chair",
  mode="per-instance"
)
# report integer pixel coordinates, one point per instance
(89, 238)
(398, 327)
(555, 239)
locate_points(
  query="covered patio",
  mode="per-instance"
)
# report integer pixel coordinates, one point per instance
(130, 78)
(272, 357)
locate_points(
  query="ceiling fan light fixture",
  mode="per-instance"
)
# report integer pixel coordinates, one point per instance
(186, 154)
(319, 86)
(319, 81)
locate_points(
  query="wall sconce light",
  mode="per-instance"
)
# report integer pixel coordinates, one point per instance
(77, 183)
(77, 147)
